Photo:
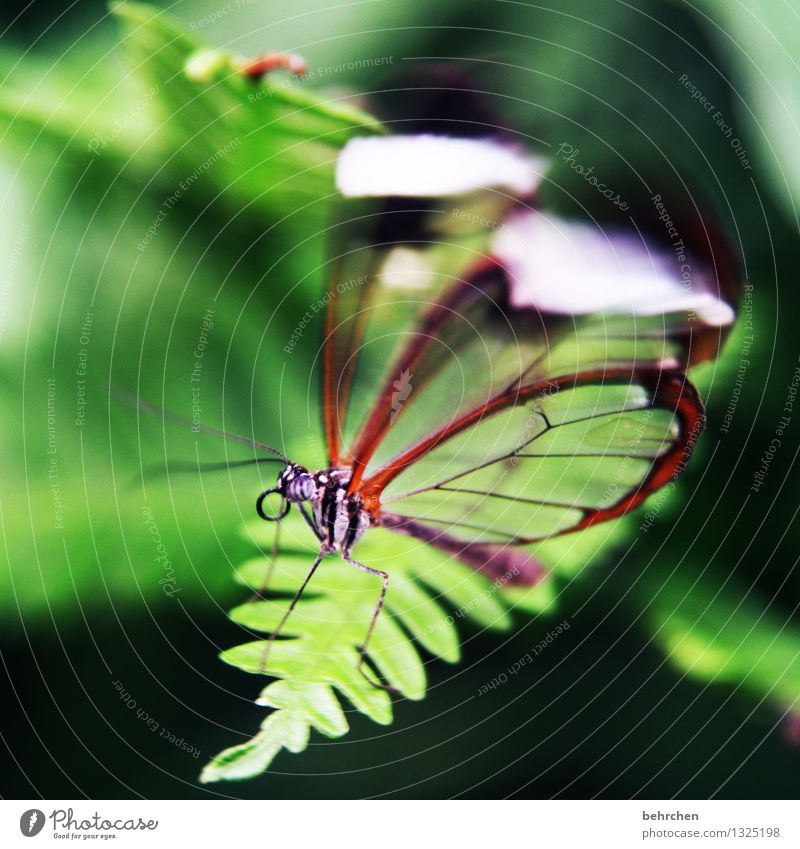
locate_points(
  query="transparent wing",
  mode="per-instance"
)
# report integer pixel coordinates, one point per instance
(401, 266)
(496, 370)
(547, 460)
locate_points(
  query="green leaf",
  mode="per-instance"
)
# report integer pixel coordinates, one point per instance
(316, 656)
(283, 728)
(267, 148)
(716, 630)
(103, 155)
(284, 137)
(299, 707)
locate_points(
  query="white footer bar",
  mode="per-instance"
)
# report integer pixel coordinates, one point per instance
(401, 824)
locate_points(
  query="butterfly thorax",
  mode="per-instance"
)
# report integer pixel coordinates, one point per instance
(342, 519)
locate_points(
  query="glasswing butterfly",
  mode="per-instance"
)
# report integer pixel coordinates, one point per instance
(493, 375)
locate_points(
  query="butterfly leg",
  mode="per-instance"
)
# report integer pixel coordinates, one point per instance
(362, 652)
(311, 521)
(258, 595)
(284, 509)
(271, 639)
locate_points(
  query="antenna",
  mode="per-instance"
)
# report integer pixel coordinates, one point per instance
(180, 466)
(166, 415)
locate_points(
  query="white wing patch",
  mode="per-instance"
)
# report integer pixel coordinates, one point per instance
(432, 166)
(575, 269)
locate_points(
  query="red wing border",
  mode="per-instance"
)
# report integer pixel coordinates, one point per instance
(671, 392)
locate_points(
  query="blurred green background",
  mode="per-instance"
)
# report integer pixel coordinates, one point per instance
(680, 674)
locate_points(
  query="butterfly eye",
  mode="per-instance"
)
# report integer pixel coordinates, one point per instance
(301, 488)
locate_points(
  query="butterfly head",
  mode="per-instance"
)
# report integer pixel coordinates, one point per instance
(294, 485)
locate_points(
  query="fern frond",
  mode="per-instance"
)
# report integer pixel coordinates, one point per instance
(316, 659)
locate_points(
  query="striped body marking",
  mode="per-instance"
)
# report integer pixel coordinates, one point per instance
(339, 519)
